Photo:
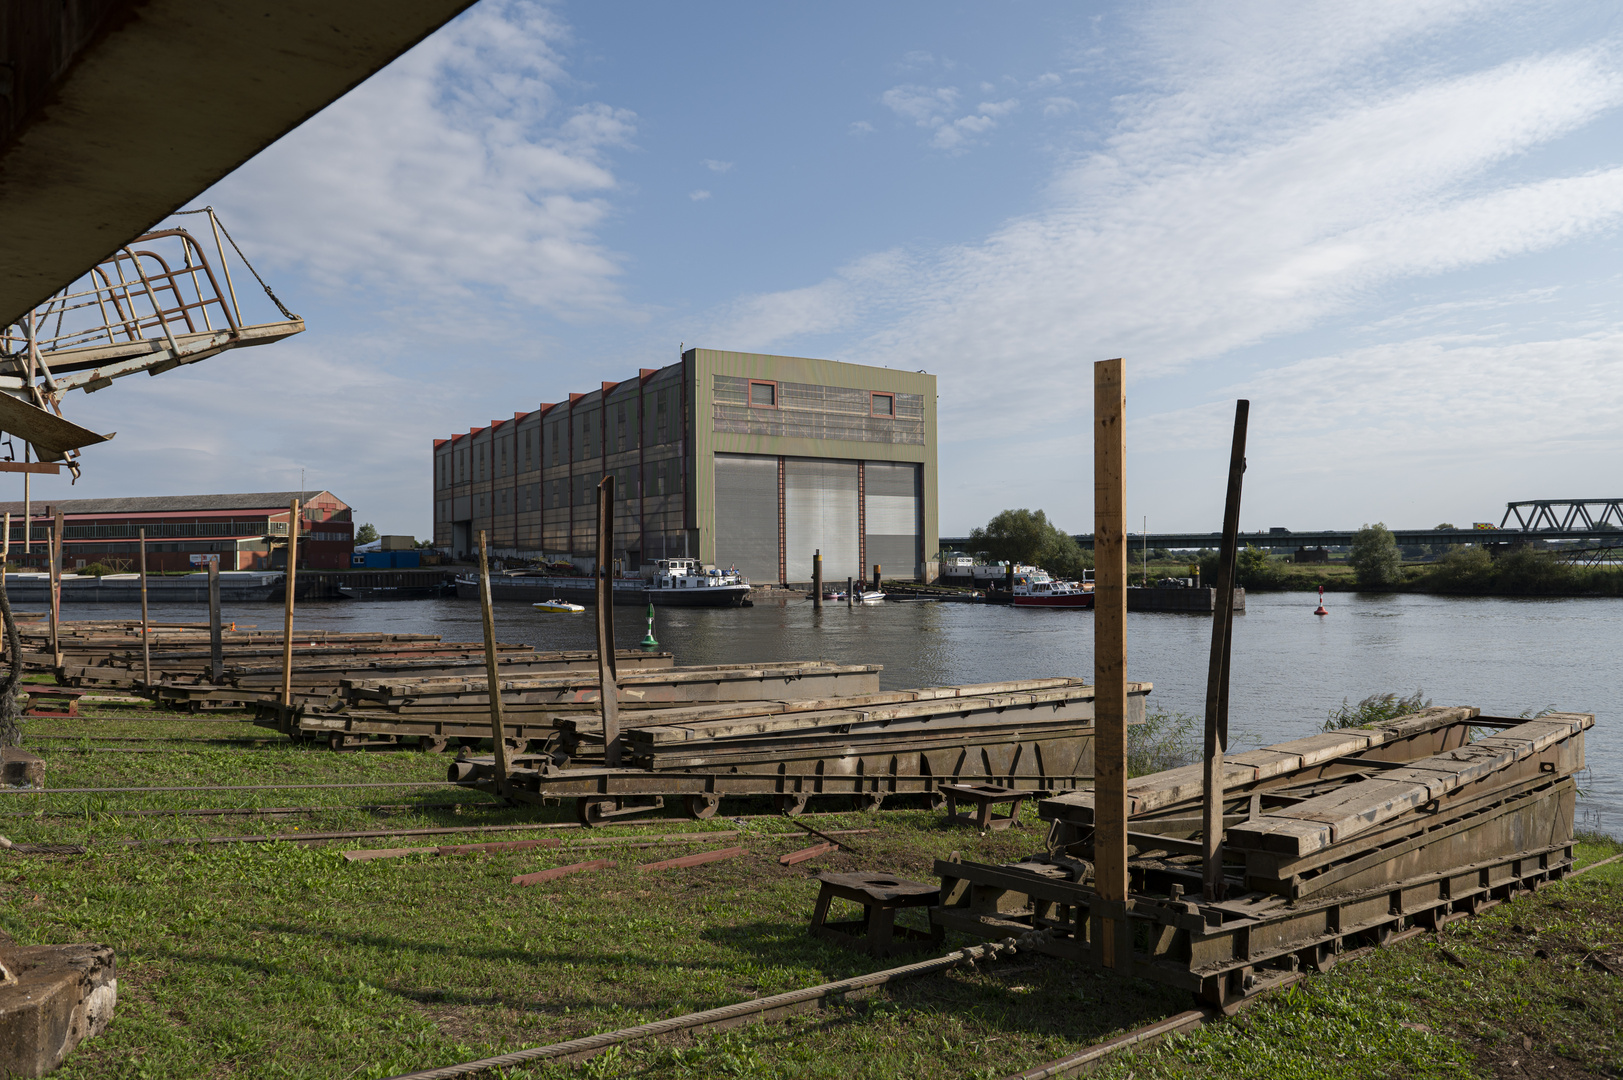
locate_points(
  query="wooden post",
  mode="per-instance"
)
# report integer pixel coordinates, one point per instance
(876, 569)
(287, 610)
(608, 675)
(493, 683)
(146, 625)
(5, 549)
(817, 579)
(56, 586)
(1110, 657)
(216, 645)
(1217, 673)
(28, 511)
(850, 600)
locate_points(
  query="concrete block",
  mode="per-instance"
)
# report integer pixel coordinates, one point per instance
(56, 996)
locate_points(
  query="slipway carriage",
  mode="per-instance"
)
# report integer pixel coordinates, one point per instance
(1034, 734)
(1333, 841)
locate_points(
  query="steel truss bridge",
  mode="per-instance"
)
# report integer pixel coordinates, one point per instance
(1599, 521)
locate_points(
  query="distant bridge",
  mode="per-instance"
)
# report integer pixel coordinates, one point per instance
(1539, 519)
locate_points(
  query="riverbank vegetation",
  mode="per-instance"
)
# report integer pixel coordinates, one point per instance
(1463, 571)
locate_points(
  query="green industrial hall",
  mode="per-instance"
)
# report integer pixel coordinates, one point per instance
(743, 460)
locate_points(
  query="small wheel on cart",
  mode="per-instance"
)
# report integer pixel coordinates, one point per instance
(1320, 958)
(867, 801)
(792, 803)
(335, 741)
(590, 812)
(937, 799)
(432, 744)
(702, 807)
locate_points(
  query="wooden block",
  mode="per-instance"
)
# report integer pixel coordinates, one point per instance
(502, 845)
(368, 854)
(795, 857)
(692, 860)
(562, 871)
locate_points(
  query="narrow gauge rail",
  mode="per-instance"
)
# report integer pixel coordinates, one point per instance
(1035, 734)
(1332, 841)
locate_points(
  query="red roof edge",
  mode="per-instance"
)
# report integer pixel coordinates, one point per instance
(575, 397)
(440, 442)
(608, 386)
(643, 373)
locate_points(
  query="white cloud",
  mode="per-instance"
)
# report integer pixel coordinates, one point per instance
(932, 108)
(699, 196)
(925, 106)
(1172, 250)
(1059, 106)
(458, 168)
(860, 127)
(1267, 175)
(717, 166)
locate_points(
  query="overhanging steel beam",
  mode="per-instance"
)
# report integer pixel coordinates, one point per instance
(119, 111)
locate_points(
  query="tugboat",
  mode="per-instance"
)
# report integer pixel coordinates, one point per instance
(1037, 589)
(685, 583)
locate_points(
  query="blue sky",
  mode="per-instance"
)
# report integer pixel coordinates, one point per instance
(1392, 226)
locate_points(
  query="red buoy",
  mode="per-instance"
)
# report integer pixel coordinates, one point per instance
(1321, 609)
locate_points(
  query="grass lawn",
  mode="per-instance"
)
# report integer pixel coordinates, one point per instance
(284, 960)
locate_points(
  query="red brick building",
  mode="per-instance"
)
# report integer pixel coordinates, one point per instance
(245, 532)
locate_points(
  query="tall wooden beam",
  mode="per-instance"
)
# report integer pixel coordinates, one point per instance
(608, 675)
(1217, 675)
(146, 624)
(287, 601)
(493, 683)
(1110, 656)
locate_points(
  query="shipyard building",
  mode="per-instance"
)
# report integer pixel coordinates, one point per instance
(240, 532)
(737, 459)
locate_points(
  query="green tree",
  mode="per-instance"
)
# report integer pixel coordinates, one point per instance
(1463, 568)
(1375, 558)
(366, 533)
(1027, 536)
(1254, 568)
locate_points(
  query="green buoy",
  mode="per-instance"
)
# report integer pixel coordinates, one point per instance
(649, 642)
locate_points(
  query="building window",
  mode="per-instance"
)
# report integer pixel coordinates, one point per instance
(882, 405)
(763, 395)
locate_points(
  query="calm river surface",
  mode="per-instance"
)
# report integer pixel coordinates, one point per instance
(1289, 667)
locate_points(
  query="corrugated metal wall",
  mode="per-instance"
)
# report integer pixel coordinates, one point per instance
(747, 515)
(891, 515)
(820, 512)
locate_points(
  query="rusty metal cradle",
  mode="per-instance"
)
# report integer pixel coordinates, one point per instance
(1335, 840)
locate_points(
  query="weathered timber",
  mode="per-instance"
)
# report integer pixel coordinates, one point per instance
(1335, 841)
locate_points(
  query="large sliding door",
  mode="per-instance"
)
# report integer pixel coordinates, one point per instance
(820, 513)
(747, 515)
(891, 516)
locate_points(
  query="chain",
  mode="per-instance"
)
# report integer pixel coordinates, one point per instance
(274, 298)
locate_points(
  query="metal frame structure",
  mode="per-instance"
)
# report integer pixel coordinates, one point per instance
(153, 305)
(1566, 515)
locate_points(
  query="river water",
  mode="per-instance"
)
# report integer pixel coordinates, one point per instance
(1289, 668)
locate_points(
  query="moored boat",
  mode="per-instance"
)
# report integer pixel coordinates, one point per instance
(1037, 589)
(559, 607)
(687, 583)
